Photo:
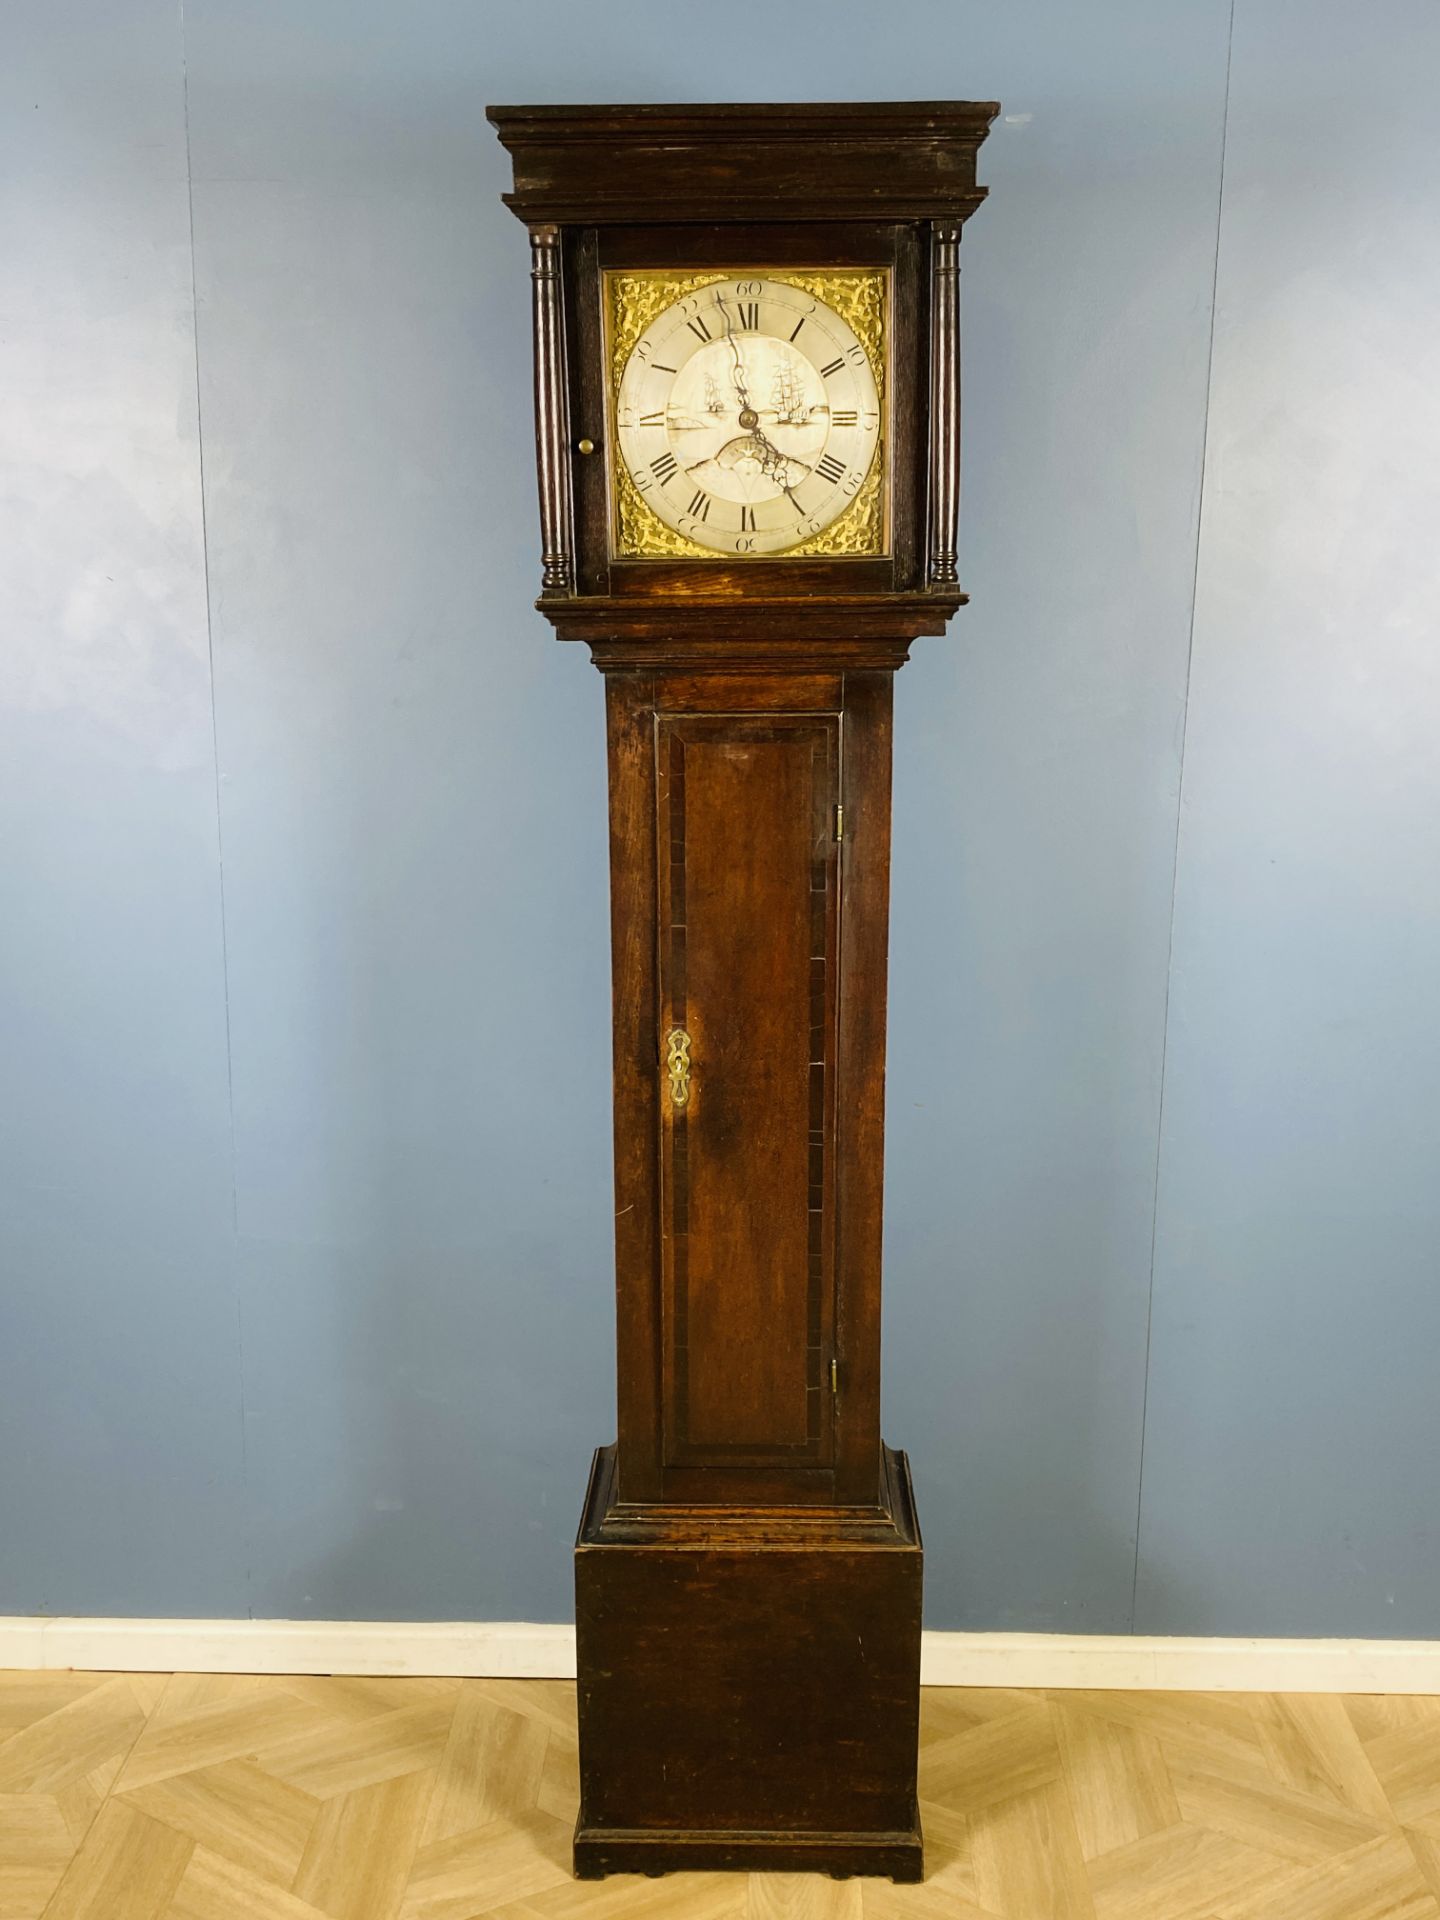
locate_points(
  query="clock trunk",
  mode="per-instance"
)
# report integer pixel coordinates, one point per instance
(749, 890)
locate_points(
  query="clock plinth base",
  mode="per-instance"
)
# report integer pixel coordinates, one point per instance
(844, 1856)
(749, 1685)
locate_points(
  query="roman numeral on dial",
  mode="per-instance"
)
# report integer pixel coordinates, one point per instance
(829, 468)
(847, 418)
(699, 507)
(698, 327)
(747, 520)
(664, 467)
(749, 315)
(834, 367)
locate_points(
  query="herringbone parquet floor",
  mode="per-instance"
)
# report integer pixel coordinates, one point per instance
(188, 1797)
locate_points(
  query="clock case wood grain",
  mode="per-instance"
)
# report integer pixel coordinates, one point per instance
(748, 1564)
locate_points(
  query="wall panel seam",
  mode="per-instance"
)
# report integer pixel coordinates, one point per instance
(244, 1528)
(1180, 813)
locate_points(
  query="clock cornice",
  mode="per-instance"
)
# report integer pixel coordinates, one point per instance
(833, 161)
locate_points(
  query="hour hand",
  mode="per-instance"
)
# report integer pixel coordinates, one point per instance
(748, 416)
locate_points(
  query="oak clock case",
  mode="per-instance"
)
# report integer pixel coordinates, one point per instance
(747, 417)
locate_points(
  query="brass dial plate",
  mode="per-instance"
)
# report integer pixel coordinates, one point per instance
(748, 412)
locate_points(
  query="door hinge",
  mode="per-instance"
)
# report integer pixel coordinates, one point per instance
(839, 823)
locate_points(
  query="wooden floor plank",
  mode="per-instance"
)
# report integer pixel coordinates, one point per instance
(343, 1756)
(363, 1696)
(993, 1762)
(1027, 1858)
(552, 1701)
(234, 1727)
(987, 1703)
(1425, 1847)
(1311, 1744)
(49, 1753)
(494, 1866)
(79, 1802)
(801, 1896)
(1213, 1730)
(214, 1888)
(949, 1851)
(1273, 1818)
(491, 1766)
(1379, 1882)
(362, 1848)
(128, 1868)
(1372, 1714)
(1407, 1765)
(628, 1896)
(1182, 1873)
(27, 1697)
(559, 1790)
(884, 1901)
(1118, 1781)
(238, 1811)
(35, 1849)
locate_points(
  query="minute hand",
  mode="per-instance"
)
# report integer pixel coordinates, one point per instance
(738, 371)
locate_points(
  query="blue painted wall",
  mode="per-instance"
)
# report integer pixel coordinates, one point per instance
(304, 1172)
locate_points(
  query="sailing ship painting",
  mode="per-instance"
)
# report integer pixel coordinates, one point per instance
(787, 401)
(715, 402)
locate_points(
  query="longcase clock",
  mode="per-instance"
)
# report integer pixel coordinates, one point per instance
(747, 429)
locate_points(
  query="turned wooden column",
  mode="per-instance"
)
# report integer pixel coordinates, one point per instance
(944, 400)
(552, 412)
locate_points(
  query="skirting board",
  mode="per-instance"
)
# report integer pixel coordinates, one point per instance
(522, 1650)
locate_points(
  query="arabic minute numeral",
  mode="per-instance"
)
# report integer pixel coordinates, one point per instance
(829, 468)
(664, 467)
(745, 544)
(833, 368)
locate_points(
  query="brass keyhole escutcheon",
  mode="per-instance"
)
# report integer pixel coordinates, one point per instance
(677, 1066)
